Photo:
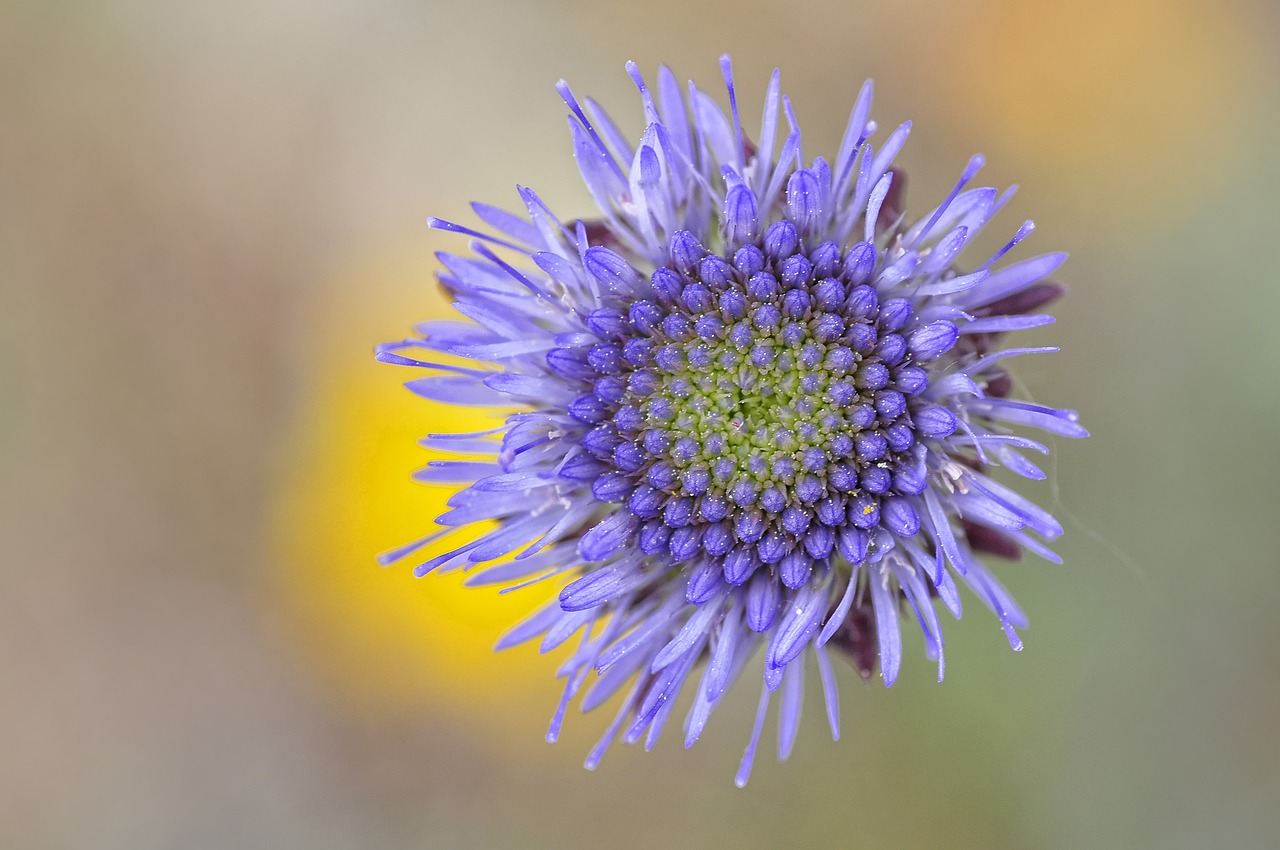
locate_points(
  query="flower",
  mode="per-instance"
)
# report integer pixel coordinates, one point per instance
(755, 410)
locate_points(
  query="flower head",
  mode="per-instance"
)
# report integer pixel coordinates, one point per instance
(753, 408)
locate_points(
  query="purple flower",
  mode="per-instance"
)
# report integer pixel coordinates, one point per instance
(754, 410)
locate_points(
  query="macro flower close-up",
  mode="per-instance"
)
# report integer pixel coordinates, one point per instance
(403, 403)
(748, 416)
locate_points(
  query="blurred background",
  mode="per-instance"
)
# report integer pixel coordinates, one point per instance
(211, 212)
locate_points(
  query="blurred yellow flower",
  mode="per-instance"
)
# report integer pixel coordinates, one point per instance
(384, 641)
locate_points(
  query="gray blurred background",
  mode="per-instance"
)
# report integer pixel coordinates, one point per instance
(210, 212)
